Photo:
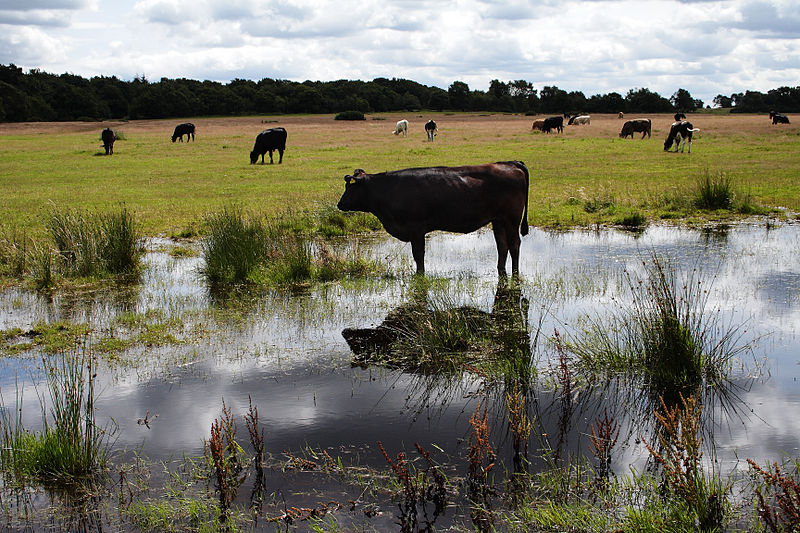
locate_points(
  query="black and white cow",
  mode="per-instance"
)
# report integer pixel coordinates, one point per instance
(679, 133)
(430, 129)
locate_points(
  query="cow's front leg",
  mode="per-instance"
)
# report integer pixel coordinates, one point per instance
(502, 248)
(418, 251)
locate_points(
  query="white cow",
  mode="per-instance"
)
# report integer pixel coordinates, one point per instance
(582, 119)
(401, 127)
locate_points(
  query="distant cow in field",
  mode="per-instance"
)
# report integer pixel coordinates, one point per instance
(621, 115)
(679, 117)
(680, 133)
(108, 137)
(267, 141)
(553, 123)
(580, 120)
(777, 118)
(413, 202)
(538, 125)
(636, 125)
(430, 129)
(186, 128)
(401, 127)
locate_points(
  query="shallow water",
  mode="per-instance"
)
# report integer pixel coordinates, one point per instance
(286, 353)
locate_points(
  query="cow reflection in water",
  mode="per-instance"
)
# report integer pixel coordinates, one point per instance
(407, 331)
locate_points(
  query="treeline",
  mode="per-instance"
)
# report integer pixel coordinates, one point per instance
(41, 96)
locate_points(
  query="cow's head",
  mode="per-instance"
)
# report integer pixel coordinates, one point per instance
(253, 157)
(355, 197)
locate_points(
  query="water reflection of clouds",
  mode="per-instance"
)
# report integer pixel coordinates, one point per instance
(290, 357)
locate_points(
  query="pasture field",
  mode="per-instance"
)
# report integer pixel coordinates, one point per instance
(585, 176)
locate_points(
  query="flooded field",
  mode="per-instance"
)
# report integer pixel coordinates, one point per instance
(284, 352)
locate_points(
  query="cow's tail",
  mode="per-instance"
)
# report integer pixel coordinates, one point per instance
(523, 226)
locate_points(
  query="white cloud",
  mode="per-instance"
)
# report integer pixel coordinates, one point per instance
(707, 47)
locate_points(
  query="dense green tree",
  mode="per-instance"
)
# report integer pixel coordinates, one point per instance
(459, 95)
(682, 101)
(646, 101)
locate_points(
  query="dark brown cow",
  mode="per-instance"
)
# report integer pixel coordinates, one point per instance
(108, 137)
(413, 202)
(187, 128)
(636, 125)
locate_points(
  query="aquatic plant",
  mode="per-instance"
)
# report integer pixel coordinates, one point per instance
(778, 498)
(225, 454)
(71, 447)
(95, 244)
(667, 336)
(678, 452)
(235, 246)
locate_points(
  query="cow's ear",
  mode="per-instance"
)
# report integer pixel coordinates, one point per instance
(348, 179)
(357, 172)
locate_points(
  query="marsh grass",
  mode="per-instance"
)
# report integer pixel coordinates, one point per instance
(714, 192)
(71, 447)
(668, 335)
(241, 248)
(95, 244)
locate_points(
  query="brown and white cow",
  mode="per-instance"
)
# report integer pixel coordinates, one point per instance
(413, 202)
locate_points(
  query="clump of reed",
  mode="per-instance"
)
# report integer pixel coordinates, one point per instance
(778, 497)
(666, 335)
(235, 246)
(71, 447)
(242, 248)
(714, 192)
(95, 244)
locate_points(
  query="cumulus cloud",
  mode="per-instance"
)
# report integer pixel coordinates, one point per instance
(34, 18)
(27, 5)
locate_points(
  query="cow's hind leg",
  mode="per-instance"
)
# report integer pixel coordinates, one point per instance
(418, 251)
(514, 241)
(280, 159)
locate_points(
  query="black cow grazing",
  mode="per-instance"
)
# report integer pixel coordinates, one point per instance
(679, 117)
(680, 133)
(636, 125)
(553, 123)
(267, 141)
(413, 202)
(430, 129)
(777, 118)
(108, 137)
(187, 128)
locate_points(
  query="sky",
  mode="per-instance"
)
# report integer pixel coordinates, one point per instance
(593, 46)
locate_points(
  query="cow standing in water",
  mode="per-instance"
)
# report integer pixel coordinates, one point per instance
(187, 128)
(413, 202)
(268, 141)
(430, 129)
(108, 137)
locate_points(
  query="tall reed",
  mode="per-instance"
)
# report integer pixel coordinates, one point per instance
(235, 246)
(71, 446)
(95, 244)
